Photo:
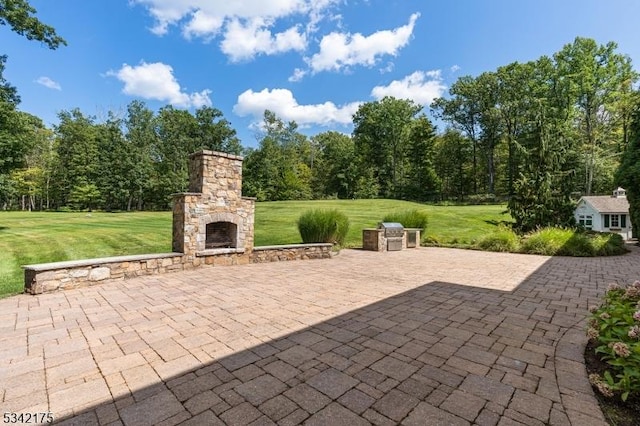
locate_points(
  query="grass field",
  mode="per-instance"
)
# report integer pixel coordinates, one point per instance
(38, 237)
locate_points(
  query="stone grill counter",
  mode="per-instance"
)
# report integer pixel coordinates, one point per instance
(390, 237)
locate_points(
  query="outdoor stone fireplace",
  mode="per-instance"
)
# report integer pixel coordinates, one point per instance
(212, 225)
(213, 218)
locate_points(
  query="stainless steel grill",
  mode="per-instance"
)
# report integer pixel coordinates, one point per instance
(391, 229)
(393, 232)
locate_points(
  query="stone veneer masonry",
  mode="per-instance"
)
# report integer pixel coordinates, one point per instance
(375, 240)
(48, 277)
(215, 195)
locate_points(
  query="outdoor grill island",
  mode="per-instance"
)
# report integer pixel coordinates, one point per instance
(390, 236)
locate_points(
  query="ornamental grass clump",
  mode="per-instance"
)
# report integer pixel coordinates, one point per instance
(413, 218)
(554, 241)
(323, 226)
(503, 239)
(546, 241)
(614, 328)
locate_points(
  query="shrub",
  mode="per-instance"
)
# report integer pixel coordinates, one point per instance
(323, 226)
(409, 219)
(553, 241)
(615, 329)
(607, 244)
(431, 240)
(503, 239)
(578, 245)
(546, 241)
(482, 199)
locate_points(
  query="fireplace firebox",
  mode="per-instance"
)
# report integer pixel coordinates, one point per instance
(221, 235)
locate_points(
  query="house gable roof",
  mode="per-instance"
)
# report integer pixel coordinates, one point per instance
(608, 204)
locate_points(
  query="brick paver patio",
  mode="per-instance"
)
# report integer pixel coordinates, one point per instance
(417, 337)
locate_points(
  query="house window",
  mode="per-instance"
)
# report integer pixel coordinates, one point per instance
(615, 221)
(586, 221)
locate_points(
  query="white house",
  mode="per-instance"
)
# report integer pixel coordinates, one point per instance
(605, 213)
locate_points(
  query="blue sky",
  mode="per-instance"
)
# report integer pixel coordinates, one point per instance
(312, 61)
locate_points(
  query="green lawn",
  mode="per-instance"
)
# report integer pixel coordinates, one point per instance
(37, 237)
(276, 220)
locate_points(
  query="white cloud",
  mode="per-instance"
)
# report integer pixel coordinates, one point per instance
(454, 68)
(298, 75)
(202, 25)
(243, 41)
(282, 102)
(47, 82)
(156, 81)
(421, 87)
(246, 26)
(390, 66)
(343, 50)
(197, 13)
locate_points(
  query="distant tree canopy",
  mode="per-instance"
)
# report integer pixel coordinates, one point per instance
(123, 163)
(389, 155)
(536, 135)
(21, 135)
(396, 144)
(545, 131)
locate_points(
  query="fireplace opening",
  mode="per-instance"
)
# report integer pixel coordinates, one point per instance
(221, 235)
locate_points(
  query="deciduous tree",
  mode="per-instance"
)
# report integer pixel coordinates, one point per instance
(20, 16)
(382, 132)
(77, 151)
(279, 169)
(335, 170)
(453, 165)
(596, 75)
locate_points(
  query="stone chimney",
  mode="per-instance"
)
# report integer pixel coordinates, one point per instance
(213, 217)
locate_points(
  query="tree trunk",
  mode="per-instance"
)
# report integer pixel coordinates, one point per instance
(475, 169)
(491, 172)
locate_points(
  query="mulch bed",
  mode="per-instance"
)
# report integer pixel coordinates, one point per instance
(616, 411)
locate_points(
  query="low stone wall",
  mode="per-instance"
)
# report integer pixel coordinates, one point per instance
(291, 252)
(48, 277)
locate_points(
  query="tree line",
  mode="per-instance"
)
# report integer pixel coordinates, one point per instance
(537, 134)
(133, 162)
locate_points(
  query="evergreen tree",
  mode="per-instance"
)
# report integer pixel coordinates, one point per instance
(628, 174)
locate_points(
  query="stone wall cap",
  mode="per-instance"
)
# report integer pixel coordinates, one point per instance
(97, 261)
(187, 194)
(292, 246)
(216, 154)
(213, 252)
(249, 198)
